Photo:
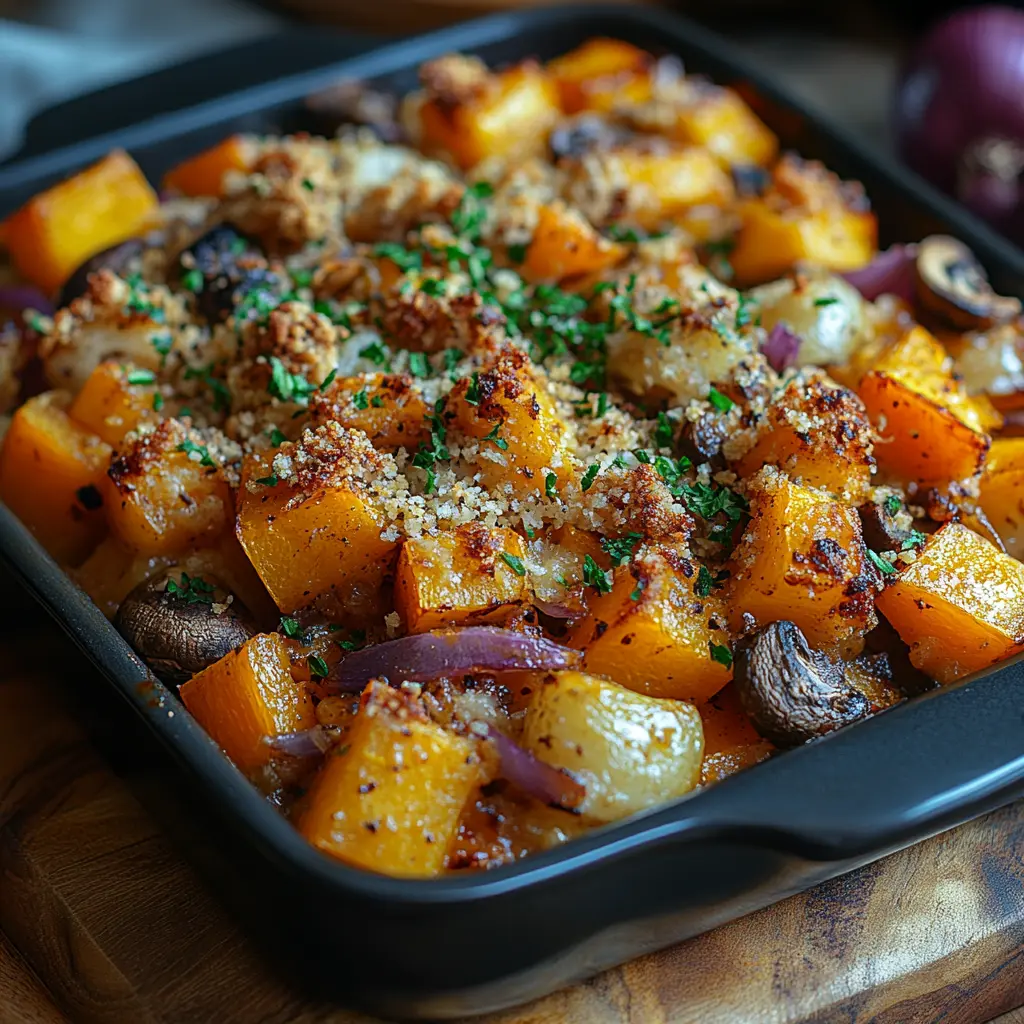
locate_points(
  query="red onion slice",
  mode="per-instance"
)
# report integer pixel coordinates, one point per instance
(550, 785)
(554, 610)
(781, 347)
(314, 742)
(18, 297)
(889, 273)
(427, 656)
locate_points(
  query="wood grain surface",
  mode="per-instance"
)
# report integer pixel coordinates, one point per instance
(102, 922)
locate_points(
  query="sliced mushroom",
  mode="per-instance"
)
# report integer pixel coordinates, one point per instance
(179, 628)
(885, 525)
(792, 693)
(952, 285)
(120, 258)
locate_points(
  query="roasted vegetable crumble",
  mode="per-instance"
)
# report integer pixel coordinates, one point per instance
(538, 448)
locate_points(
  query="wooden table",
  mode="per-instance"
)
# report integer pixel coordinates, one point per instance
(101, 921)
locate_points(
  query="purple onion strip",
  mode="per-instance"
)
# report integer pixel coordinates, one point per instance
(19, 297)
(314, 742)
(427, 656)
(889, 273)
(554, 610)
(781, 347)
(550, 785)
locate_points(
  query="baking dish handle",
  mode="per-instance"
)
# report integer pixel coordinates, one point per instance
(869, 788)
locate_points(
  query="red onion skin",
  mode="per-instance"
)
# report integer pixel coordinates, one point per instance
(781, 348)
(313, 742)
(15, 298)
(960, 91)
(548, 784)
(890, 273)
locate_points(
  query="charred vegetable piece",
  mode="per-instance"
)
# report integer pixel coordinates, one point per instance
(885, 525)
(179, 624)
(792, 693)
(119, 258)
(225, 270)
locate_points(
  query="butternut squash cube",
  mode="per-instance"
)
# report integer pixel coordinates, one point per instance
(248, 696)
(471, 575)
(1002, 491)
(731, 743)
(50, 473)
(114, 400)
(652, 633)
(819, 435)
(803, 559)
(508, 410)
(486, 115)
(930, 429)
(317, 531)
(389, 408)
(565, 244)
(602, 74)
(959, 606)
(165, 493)
(389, 798)
(58, 230)
(557, 558)
(203, 174)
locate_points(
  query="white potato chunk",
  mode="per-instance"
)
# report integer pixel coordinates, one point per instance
(827, 312)
(631, 751)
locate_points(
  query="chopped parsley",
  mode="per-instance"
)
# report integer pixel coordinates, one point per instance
(375, 352)
(642, 456)
(594, 576)
(192, 280)
(377, 401)
(473, 390)
(590, 476)
(451, 360)
(743, 314)
(663, 432)
(641, 586)
(329, 379)
(721, 654)
(317, 665)
(708, 501)
(883, 565)
(469, 216)
(723, 403)
(290, 627)
(357, 641)
(191, 589)
(268, 481)
(302, 278)
(277, 438)
(430, 485)
(620, 549)
(517, 253)
(163, 343)
(893, 504)
(190, 448)
(418, 365)
(550, 486)
(915, 540)
(286, 386)
(499, 442)
(308, 185)
(826, 300)
(158, 402)
(360, 399)
(514, 563)
(140, 377)
(404, 259)
(433, 286)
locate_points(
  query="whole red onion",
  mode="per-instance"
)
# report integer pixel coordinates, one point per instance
(959, 112)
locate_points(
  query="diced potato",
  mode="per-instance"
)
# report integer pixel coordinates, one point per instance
(653, 634)
(1002, 491)
(805, 216)
(248, 696)
(803, 559)
(930, 428)
(959, 605)
(389, 408)
(731, 743)
(602, 74)
(51, 470)
(630, 751)
(165, 493)
(521, 436)
(59, 229)
(824, 311)
(819, 435)
(319, 535)
(473, 574)
(115, 400)
(564, 244)
(390, 797)
(476, 114)
(203, 174)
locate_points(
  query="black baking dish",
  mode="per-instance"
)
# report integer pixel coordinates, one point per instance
(480, 942)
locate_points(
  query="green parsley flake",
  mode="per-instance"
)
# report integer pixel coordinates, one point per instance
(594, 576)
(641, 586)
(663, 432)
(826, 300)
(517, 253)
(499, 442)
(883, 565)
(140, 377)
(190, 448)
(191, 589)
(473, 390)
(620, 549)
(268, 481)
(290, 627)
(893, 504)
(915, 540)
(590, 476)
(377, 401)
(514, 563)
(277, 438)
(721, 654)
(360, 400)
(308, 185)
(702, 588)
(418, 365)
(302, 278)
(723, 403)
(285, 386)
(317, 665)
(158, 402)
(375, 352)
(192, 280)
(641, 456)
(550, 486)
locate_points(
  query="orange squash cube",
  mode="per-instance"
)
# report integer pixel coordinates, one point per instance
(165, 494)
(50, 473)
(247, 697)
(959, 606)
(1002, 491)
(502, 115)
(473, 574)
(652, 634)
(508, 410)
(116, 399)
(557, 558)
(564, 244)
(731, 743)
(389, 408)
(389, 798)
(817, 434)
(721, 121)
(803, 559)
(315, 534)
(602, 74)
(930, 429)
(59, 229)
(203, 174)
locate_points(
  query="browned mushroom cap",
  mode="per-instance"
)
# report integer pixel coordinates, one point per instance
(791, 693)
(952, 285)
(180, 625)
(885, 525)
